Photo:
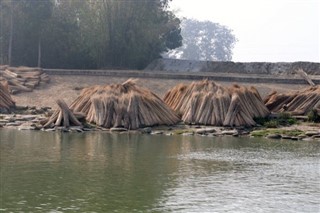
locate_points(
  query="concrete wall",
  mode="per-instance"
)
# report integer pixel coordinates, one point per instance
(175, 65)
(182, 75)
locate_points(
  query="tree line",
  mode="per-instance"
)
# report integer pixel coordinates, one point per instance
(204, 40)
(86, 33)
(93, 34)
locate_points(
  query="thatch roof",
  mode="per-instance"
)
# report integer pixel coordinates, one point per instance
(123, 105)
(6, 101)
(297, 103)
(208, 103)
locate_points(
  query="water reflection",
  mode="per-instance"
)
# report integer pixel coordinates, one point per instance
(102, 172)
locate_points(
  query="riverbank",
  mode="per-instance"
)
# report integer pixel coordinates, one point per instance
(26, 118)
(37, 106)
(68, 88)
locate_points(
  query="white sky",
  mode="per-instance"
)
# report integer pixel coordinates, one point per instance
(267, 30)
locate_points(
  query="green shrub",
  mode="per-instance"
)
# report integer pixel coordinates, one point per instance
(271, 124)
(284, 119)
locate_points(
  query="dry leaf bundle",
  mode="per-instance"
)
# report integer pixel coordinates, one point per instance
(123, 105)
(6, 101)
(22, 79)
(208, 103)
(297, 103)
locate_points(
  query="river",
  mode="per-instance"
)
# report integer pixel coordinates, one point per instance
(103, 172)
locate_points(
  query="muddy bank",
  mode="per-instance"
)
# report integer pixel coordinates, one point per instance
(34, 118)
(265, 68)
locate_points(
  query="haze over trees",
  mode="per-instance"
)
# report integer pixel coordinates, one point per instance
(86, 34)
(204, 40)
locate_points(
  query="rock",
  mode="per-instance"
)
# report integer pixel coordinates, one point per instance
(4, 111)
(157, 133)
(40, 111)
(316, 136)
(62, 129)
(118, 129)
(76, 129)
(274, 136)
(50, 130)
(307, 139)
(235, 134)
(286, 137)
(13, 124)
(302, 136)
(311, 133)
(38, 126)
(45, 108)
(87, 129)
(187, 133)
(217, 134)
(25, 127)
(295, 138)
(9, 119)
(244, 132)
(3, 121)
(229, 132)
(205, 131)
(146, 130)
(26, 117)
(17, 107)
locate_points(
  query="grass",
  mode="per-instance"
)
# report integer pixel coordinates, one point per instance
(181, 131)
(284, 119)
(265, 132)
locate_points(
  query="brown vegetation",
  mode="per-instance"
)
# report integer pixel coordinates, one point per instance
(22, 79)
(123, 105)
(63, 116)
(208, 103)
(297, 103)
(6, 101)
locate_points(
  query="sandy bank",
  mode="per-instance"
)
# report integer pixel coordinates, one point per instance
(68, 87)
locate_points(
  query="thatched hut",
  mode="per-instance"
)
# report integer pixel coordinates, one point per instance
(6, 101)
(208, 103)
(298, 102)
(123, 105)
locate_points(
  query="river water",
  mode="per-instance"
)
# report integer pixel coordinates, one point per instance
(102, 172)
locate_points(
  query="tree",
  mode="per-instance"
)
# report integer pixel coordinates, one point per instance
(87, 34)
(22, 23)
(130, 33)
(37, 14)
(204, 40)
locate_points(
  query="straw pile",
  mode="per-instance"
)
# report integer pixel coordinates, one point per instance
(62, 117)
(296, 103)
(6, 101)
(22, 79)
(207, 103)
(123, 105)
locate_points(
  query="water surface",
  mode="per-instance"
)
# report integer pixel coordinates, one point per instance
(102, 172)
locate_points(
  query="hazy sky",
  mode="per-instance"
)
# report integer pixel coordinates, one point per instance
(267, 30)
